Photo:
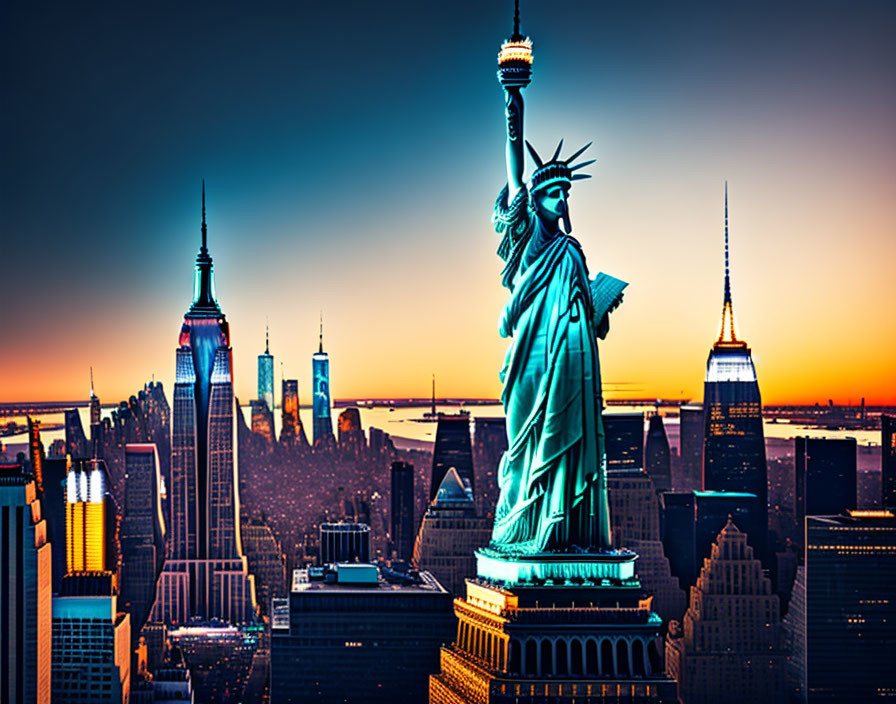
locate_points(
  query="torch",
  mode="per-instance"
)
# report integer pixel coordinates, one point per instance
(515, 57)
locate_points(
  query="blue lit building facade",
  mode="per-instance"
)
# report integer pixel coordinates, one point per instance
(266, 375)
(205, 571)
(320, 370)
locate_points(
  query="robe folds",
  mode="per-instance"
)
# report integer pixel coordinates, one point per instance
(552, 477)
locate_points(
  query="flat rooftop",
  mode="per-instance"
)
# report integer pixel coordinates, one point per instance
(303, 581)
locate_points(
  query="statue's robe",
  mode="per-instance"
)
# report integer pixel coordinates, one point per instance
(552, 478)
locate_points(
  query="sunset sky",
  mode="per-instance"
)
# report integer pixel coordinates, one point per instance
(352, 153)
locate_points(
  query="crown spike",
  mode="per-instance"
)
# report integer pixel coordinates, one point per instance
(582, 165)
(535, 157)
(557, 152)
(578, 153)
(579, 177)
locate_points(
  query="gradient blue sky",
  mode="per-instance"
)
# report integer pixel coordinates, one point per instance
(353, 151)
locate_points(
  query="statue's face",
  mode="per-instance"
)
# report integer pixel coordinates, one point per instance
(552, 204)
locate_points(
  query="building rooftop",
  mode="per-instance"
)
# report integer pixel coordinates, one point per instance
(360, 577)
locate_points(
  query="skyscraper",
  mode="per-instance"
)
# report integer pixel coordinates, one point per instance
(402, 516)
(624, 433)
(825, 477)
(76, 443)
(291, 431)
(91, 642)
(657, 456)
(266, 562)
(353, 633)
(320, 405)
(25, 591)
(635, 523)
(266, 373)
(691, 430)
(734, 449)
(205, 572)
(729, 648)
(453, 448)
(842, 612)
(489, 445)
(91, 538)
(888, 460)
(142, 534)
(351, 434)
(449, 533)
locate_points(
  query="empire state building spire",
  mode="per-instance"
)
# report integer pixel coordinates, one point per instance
(727, 335)
(204, 304)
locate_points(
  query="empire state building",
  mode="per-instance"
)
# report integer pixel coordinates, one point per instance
(734, 443)
(205, 573)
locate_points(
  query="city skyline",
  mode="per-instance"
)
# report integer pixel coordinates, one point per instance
(795, 110)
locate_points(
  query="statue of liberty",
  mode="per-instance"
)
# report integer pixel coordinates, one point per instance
(552, 478)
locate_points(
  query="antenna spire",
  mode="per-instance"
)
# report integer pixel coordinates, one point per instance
(91, 383)
(267, 338)
(516, 19)
(727, 335)
(204, 229)
(321, 348)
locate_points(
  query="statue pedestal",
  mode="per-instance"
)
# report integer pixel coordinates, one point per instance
(605, 568)
(552, 628)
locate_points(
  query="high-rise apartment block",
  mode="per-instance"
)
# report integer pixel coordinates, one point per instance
(729, 646)
(25, 591)
(842, 612)
(205, 573)
(292, 432)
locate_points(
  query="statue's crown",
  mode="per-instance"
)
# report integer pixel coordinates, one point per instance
(556, 170)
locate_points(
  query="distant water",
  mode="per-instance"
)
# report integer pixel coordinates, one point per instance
(406, 427)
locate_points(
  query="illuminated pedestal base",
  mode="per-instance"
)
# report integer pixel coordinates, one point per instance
(554, 628)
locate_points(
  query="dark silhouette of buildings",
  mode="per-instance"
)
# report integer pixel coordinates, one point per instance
(729, 646)
(657, 455)
(142, 534)
(320, 407)
(825, 477)
(692, 520)
(624, 435)
(841, 616)
(734, 444)
(76, 443)
(691, 430)
(402, 515)
(266, 562)
(205, 574)
(25, 596)
(489, 445)
(453, 448)
(888, 460)
(354, 633)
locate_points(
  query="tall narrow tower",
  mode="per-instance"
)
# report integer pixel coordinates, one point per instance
(320, 367)
(205, 571)
(266, 374)
(734, 443)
